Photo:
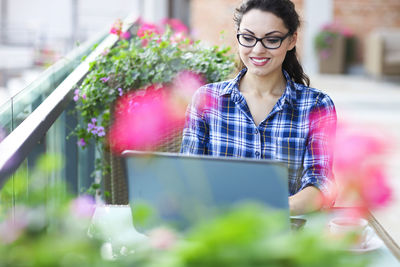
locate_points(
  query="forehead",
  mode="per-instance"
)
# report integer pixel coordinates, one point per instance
(262, 22)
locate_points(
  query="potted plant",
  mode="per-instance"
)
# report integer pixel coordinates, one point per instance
(154, 60)
(331, 44)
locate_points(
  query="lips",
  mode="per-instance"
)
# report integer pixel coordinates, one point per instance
(259, 61)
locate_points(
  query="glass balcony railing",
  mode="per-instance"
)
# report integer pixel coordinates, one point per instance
(38, 120)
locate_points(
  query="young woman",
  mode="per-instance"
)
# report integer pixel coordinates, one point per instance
(268, 111)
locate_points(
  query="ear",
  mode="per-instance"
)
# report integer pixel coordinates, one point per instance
(292, 41)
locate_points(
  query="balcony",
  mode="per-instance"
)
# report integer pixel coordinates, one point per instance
(37, 121)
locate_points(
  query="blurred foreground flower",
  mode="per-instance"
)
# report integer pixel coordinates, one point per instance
(83, 206)
(142, 119)
(162, 238)
(360, 155)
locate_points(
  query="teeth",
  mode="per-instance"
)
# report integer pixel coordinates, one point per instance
(259, 60)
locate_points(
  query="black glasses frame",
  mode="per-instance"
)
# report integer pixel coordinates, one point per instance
(260, 40)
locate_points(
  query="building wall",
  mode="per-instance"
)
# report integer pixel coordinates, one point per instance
(210, 17)
(363, 16)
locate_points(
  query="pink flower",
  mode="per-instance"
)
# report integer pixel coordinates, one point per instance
(359, 168)
(162, 238)
(142, 120)
(355, 146)
(176, 25)
(83, 206)
(116, 27)
(375, 191)
(125, 35)
(148, 29)
(184, 85)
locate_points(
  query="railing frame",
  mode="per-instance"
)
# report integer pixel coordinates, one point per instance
(19, 143)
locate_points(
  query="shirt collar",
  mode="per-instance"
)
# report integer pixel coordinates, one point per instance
(233, 84)
(290, 91)
(289, 94)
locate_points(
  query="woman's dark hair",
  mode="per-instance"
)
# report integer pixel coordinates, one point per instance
(285, 10)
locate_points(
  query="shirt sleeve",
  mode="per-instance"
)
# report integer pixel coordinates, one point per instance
(195, 133)
(318, 159)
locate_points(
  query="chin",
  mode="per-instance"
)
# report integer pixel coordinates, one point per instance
(258, 72)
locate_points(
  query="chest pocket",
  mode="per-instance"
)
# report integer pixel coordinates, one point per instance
(291, 151)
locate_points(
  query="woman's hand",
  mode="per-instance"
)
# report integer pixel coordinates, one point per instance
(307, 200)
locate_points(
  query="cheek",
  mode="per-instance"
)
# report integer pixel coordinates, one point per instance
(243, 52)
(279, 53)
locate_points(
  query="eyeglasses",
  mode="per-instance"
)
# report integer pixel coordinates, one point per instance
(269, 42)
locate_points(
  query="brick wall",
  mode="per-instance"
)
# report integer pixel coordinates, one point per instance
(363, 16)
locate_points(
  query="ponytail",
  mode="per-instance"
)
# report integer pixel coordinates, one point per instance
(292, 66)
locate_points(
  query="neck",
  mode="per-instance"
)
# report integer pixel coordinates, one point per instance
(273, 84)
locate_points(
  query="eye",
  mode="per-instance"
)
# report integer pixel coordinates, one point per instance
(272, 40)
(248, 38)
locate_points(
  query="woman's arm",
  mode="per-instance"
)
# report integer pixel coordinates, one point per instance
(317, 188)
(307, 200)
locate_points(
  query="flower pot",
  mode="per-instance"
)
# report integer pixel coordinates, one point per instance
(333, 60)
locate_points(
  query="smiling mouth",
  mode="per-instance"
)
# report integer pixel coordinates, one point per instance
(259, 61)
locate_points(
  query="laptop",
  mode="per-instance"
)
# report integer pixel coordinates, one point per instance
(181, 189)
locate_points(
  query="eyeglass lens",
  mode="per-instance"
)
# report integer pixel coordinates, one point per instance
(268, 42)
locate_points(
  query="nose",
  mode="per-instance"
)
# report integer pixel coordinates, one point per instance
(259, 47)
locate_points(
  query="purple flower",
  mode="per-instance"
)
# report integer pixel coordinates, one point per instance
(81, 142)
(76, 96)
(84, 96)
(120, 91)
(100, 131)
(104, 79)
(91, 126)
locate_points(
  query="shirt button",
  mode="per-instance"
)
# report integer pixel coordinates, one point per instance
(256, 131)
(257, 154)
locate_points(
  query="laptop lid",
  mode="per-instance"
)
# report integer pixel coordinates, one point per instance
(181, 188)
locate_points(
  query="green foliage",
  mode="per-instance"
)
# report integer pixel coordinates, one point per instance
(47, 229)
(42, 229)
(251, 235)
(135, 64)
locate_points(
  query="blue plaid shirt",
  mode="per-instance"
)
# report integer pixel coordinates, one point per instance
(297, 131)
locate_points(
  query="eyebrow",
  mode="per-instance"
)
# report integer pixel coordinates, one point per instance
(265, 34)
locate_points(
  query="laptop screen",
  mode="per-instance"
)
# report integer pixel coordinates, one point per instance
(181, 189)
